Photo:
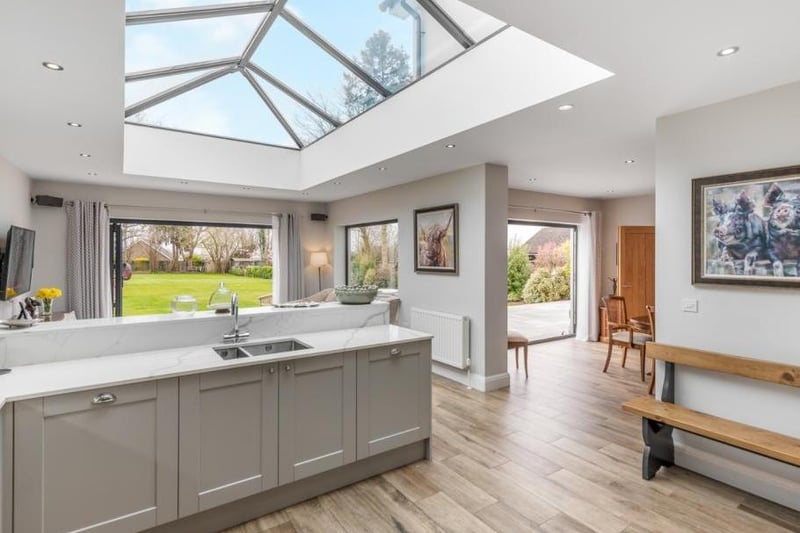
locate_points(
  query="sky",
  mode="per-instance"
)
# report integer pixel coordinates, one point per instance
(521, 232)
(224, 107)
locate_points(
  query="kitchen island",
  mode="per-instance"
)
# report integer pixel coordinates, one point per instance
(181, 439)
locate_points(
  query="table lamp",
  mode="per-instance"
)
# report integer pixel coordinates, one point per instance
(319, 260)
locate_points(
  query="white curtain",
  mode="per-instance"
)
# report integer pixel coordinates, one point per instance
(88, 259)
(589, 283)
(287, 259)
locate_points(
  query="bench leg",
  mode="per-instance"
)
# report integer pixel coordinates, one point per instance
(659, 449)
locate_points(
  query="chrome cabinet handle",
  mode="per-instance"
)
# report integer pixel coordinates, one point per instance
(395, 351)
(103, 398)
(287, 368)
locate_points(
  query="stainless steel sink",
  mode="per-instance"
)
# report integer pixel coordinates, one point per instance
(256, 349)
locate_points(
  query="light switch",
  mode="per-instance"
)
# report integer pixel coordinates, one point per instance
(689, 305)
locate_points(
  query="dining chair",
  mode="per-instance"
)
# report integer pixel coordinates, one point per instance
(621, 333)
(651, 317)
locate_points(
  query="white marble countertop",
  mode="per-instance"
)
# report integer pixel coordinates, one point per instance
(48, 379)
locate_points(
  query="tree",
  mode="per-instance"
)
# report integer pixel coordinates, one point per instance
(551, 255)
(519, 270)
(385, 62)
(221, 244)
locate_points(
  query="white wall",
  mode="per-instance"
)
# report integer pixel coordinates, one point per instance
(15, 209)
(629, 211)
(50, 223)
(759, 131)
(478, 291)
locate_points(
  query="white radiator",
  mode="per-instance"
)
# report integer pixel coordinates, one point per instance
(450, 335)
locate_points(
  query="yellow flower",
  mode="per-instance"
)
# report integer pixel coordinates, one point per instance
(10, 292)
(48, 293)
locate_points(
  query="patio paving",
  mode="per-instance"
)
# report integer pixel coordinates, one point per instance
(540, 321)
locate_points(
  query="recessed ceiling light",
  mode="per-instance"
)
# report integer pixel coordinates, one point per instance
(337, 182)
(725, 52)
(91, 173)
(451, 145)
(566, 107)
(531, 179)
(52, 66)
(304, 194)
(383, 169)
(85, 155)
(630, 161)
(247, 188)
(74, 125)
(183, 182)
(610, 191)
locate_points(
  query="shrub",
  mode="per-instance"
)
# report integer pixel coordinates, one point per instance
(254, 271)
(547, 285)
(519, 270)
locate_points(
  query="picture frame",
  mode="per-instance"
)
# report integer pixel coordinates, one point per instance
(746, 228)
(436, 236)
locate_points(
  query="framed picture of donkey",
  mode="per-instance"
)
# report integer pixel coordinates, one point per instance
(746, 228)
(436, 231)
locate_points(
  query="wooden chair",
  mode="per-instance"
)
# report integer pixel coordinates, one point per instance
(621, 333)
(517, 340)
(651, 317)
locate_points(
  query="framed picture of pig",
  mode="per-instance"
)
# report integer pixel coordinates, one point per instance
(746, 228)
(436, 233)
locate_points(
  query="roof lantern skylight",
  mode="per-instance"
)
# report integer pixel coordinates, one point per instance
(283, 72)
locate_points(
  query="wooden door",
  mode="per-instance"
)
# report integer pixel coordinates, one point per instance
(97, 461)
(394, 397)
(636, 267)
(317, 420)
(229, 436)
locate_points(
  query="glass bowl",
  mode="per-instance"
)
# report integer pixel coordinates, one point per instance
(184, 304)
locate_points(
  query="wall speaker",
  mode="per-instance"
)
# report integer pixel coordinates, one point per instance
(319, 217)
(47, 201)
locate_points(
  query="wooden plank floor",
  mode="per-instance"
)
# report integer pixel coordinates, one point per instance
(553, 454)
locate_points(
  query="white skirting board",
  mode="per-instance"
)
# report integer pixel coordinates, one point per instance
(476, 381)
(747, 478)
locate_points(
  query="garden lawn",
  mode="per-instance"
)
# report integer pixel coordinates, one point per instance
(151, 293)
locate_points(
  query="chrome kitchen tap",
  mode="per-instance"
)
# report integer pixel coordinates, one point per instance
(235, 335)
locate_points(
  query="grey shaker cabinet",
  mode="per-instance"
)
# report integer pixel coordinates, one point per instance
(97, 461)
(394, 397)
(317, 415)
(229, 436)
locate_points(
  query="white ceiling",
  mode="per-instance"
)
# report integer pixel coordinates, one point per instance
(663, 55)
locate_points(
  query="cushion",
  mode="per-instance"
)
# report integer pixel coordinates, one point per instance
(624, 336)
(516, 336)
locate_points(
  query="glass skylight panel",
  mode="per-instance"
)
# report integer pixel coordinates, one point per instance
(310, 71)
(136, 91)
(307, 125)
(164, 44)
(476, 23)
(226, 107)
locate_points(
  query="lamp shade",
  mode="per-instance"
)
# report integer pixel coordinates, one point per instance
(318, 259)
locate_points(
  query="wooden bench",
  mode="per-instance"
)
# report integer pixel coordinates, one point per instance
(660, 417)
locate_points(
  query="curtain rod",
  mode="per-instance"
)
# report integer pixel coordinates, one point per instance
(204, 211)
(554, 209)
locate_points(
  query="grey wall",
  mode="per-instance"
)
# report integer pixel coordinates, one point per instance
(479, 289)
(759, 131)
(629, 211)
(15, 209)
(50, 223)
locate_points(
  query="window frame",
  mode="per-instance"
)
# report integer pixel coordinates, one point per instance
(115, 236)
(347, 229)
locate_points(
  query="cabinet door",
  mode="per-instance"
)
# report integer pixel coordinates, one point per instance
(229, 436)
(394, 397)
(97, 461)
(317, 415)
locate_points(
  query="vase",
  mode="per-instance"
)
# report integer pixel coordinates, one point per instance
(47, 308)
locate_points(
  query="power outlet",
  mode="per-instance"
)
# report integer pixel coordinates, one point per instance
(689, 305)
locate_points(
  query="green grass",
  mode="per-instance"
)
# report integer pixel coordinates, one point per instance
(151, 293)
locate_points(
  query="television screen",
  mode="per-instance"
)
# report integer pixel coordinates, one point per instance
(17, 265)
